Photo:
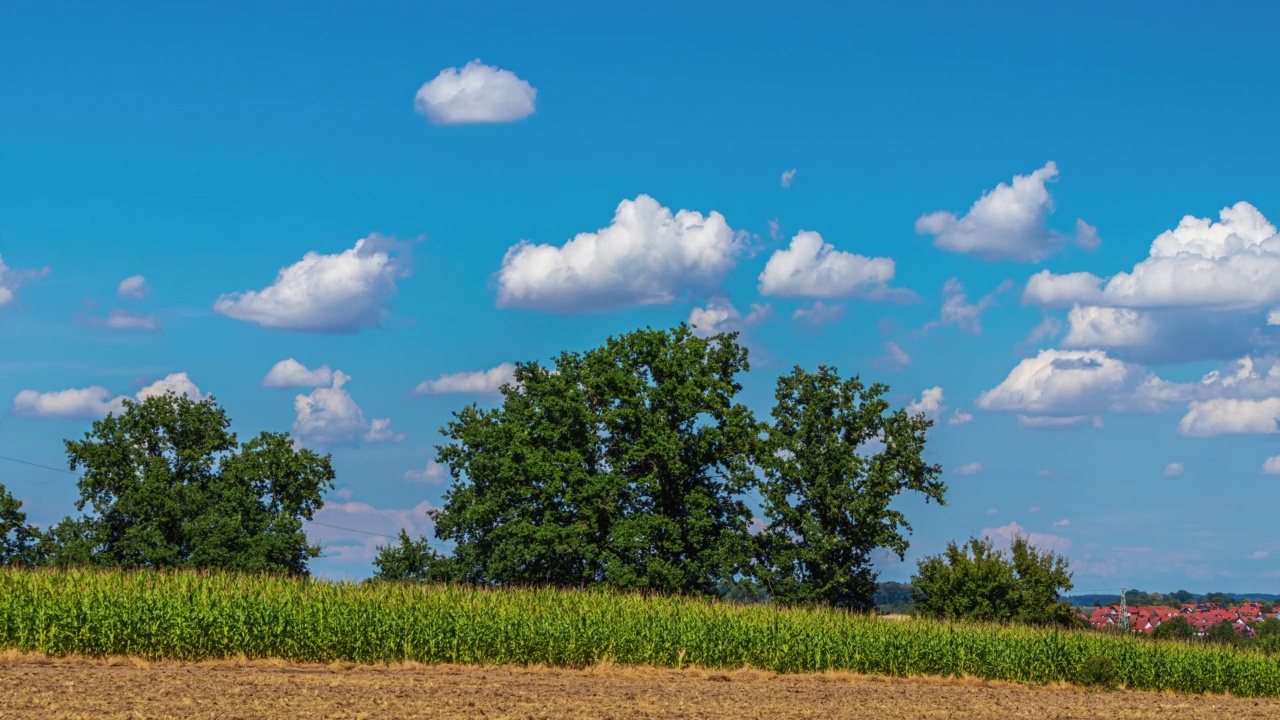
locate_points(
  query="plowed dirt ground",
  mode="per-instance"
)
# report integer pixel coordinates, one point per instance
(34, 688)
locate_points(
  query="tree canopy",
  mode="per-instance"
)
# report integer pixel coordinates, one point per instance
(168, 485)
(976, 581)
(17, 539)
(630, 465)
(826, 498)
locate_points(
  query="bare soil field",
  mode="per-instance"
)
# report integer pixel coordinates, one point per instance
(34, 688)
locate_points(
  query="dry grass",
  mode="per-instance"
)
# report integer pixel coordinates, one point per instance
(39, 687)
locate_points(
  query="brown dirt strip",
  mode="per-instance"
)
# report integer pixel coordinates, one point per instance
(35, 688)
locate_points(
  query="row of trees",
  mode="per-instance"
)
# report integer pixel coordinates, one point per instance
(633, 465)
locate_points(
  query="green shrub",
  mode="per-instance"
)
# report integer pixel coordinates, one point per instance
(1098, 671)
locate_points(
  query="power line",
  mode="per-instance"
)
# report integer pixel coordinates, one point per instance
(44, 467)
(366, 532)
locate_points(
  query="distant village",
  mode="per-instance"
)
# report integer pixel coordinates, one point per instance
(1244, 618)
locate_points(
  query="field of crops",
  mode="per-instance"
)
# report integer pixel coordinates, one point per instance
(211, 616)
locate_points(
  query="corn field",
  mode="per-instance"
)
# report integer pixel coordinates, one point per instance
(196, 616)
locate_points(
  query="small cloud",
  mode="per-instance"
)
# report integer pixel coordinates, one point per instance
(930, 403)
(960, 417)
(1260, 555)
(648, 255)
(812, 268)
(1044, 473)
(476, 93)
(339, 293)
(972, 468)
(433, 474)
(344, 494)
(133, 287)
(787, 177)
(122, 320)
(1087, 235)
(958, 311)
(291, 373)
(1034, 509)
(1050, 422)
(775, 230)
(1003, 536)
(1173, 469)
(11, 280)
(1008, 223)
(478, 382)
(894, 357)
(1272, 465)
(1062, 523)
(992, 511)
(1048, 329)
(720, 315)
(328, 416)
(818, 314)
(380, 431)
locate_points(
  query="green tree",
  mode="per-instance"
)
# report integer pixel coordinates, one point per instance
(169, 486)
(17, 538)
(1175, 628)
(413, 560)
(624, 465)
(1223, 632)
(826, 497)
(975, 581)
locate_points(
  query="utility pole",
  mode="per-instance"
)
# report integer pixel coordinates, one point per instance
(1124, 609)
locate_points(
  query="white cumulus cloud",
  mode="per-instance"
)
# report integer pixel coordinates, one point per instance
(1007, 223)
(930, 403)
(1075, 385)
(475, 93)
(1271, 465)
(339, 293)
(95, 402)
(291, 373)
(1204, 291)
(1173, 469)
(787, 177)
(1229, 416)
(719, 315)
(478, 382)
(812, 268)
(646, 256)
(972, 468)
(328, 416)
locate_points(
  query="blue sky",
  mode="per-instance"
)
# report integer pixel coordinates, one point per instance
(988, 202)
